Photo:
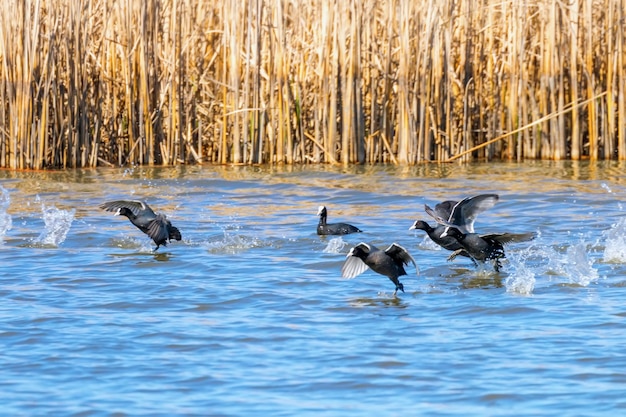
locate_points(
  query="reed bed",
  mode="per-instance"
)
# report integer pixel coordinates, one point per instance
(119, 82)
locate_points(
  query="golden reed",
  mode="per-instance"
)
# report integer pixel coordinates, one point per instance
(117, 82)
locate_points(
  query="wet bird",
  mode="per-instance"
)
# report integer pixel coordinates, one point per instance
(324, 228)
(389, 262)
(157, 226)
(487, 247)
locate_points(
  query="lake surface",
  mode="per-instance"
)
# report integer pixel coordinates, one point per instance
(248, 314)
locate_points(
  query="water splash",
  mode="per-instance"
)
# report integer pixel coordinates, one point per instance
(615, 246)
(606, 187)
(573, 263)
(578, 267)
(57, 224)
(234, 243)
(5, 218)
(131, 242)
(335, 245)
(428, 244)
(522, 279)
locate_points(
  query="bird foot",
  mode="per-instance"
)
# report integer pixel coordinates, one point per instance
(454, 255)
(497, 265)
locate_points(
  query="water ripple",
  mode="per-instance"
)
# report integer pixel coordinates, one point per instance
(248, 314)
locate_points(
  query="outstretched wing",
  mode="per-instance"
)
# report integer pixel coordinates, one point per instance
(444, 209)
(463, 214)
(506, 238)
(398, 253)
(353, 267)
(136, 207)
(465, 211)
(435, 215)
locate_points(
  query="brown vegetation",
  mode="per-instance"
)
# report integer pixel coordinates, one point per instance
(117, 82)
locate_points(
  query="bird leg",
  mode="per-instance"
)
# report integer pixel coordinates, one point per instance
(400, 287)
(497, 265)
(455, 254)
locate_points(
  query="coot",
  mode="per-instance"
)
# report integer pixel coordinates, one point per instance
(389, 262)
(333, 229)
(446, 242)
(157, 226)
(486, 247)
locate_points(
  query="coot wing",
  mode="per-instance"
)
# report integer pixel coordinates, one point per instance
(464, 213)
(398, 253)
(506, 238)
(444, 209)
(137, 207)
(353, 267)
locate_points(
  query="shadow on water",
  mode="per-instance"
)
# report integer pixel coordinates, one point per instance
(157, 256)
(482, 277)
(384, 301)
(483, 282)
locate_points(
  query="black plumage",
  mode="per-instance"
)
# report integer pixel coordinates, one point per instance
(486, 247)
(389, 262)
(462, 214)
(324, 228)
(157, 226)
(446, 242)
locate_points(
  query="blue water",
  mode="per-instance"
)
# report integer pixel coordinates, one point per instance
(249, 315)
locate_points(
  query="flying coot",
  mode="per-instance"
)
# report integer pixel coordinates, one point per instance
(486, 247)
(446, 242)
(389, 262)
(157, 226)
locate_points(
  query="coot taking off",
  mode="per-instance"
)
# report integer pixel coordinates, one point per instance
(333, 229)
(486, 247)
(447, 242)
(389, 262)
(141, 215)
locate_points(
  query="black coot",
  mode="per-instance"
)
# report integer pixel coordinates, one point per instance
(157, 226)
(486, 247)
(324, 228)
(389, 262)
(446, 242)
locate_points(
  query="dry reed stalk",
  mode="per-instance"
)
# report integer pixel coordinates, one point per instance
(575, 141)
(592, 114)
(620, 52)
(14, 43)
(566, 109)
(515, 82)
(325, 129)
(404, 132)
(331, 75)
(291, 81)
(345, 45)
